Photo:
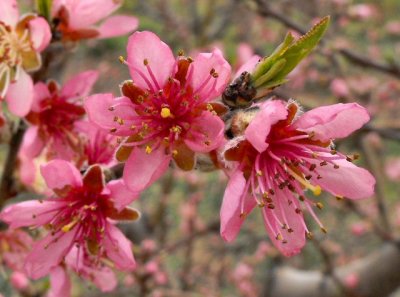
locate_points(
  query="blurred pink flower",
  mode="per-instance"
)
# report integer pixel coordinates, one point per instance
(14, 247)
(19, 280)
(166, 112)
(21, 41)
(393, 27)
(352, 280)
(276, 154)
(363, 11)
(392, 169)
(76, 19)
(339, 88)
(81, 215)
(359, 228)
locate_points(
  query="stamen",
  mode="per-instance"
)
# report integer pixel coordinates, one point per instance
(315, 189)
(166, 113)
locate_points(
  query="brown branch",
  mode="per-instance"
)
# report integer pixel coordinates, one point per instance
(377, 275)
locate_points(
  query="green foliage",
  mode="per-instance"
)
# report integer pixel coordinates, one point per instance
(273, 69)
(44, 8)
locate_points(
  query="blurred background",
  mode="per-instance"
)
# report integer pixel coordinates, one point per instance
(177, 243)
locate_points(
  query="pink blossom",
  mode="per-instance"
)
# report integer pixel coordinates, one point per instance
(392, 169)
(77, 19)
(352, 280)
(19, 280)
(339, 88)
(363, 11)
(80, 216)
(21, 41)
(276, 155)
(14, 247)
(166, 112)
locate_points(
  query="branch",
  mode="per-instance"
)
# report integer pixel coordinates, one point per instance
(378, 276)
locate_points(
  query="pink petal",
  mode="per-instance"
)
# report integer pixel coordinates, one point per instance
(9, 12)
(118, 25)
(98, 109)
(84, 14)
(27, 170)
(19, 280)
(40, 33)
(60, 284)
(41, 92)
(295, 240)
(231, 206)
(142, 169)
(80, 85)
(348, 180)
(248, 66)
(104, 279)
(210, 125)
(271, 112)
(118, 248)
(147, 46)
(20, 95)
(48, 253)
(333, 121)
(59, 173)
(32, 213)
(120, 194)
(202, 66)
(32, 144)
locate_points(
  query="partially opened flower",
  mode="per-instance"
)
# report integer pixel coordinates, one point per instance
(21, 41)
(77, 19)
(276, 156)
(166, 112)
(80, 213)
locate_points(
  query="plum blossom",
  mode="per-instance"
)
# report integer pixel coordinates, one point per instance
(77, 19)
(276, 155)
(166, 111)
(79, 214)
(22, 39)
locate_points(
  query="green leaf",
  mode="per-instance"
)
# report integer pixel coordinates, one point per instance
(44, 8)
(271, 71)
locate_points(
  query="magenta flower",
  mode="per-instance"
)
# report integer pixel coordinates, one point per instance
(21, 41)
(277, 156)
(166, 112)
(77, 19)
(54, 114)
(82, 215)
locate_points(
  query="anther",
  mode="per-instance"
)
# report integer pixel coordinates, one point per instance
(309, 235)
(112, 130)
(121, 59)
(323, 229)
(148, 149)
(271, 206)
(111, 108)
(319, 205)
(181, 53)
(336, 166)
(243, 215)
(165, 113)
(145, 62)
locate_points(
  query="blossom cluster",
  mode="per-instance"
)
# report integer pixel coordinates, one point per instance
(169, 113)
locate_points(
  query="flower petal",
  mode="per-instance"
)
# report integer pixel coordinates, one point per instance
(9, 12)
(248, 66)
(231, 211)
(118, 25)
(118, 248)
(98, 109)
(41, 92)
(20, 95)
(60, 284)
(32, 144)
(83, 14)
(146, 46)
(59, 174)
(40, 33)
(80, 85)
(48, 253)
(203, 66)
(271, 112)
(206, 133)
(291, 242)
(348, 180)
(332, 121)
(32, 213)
(121, 194)
(142, 169)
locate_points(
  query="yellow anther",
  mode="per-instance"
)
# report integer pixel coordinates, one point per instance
(166, 113)
(259, 173)
(69, 226)
(121, 59)
(317, 190)
(174, 153)
(279, 237)
(319, 205)
(148, 149)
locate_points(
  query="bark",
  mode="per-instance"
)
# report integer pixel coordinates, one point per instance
(378, 276)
